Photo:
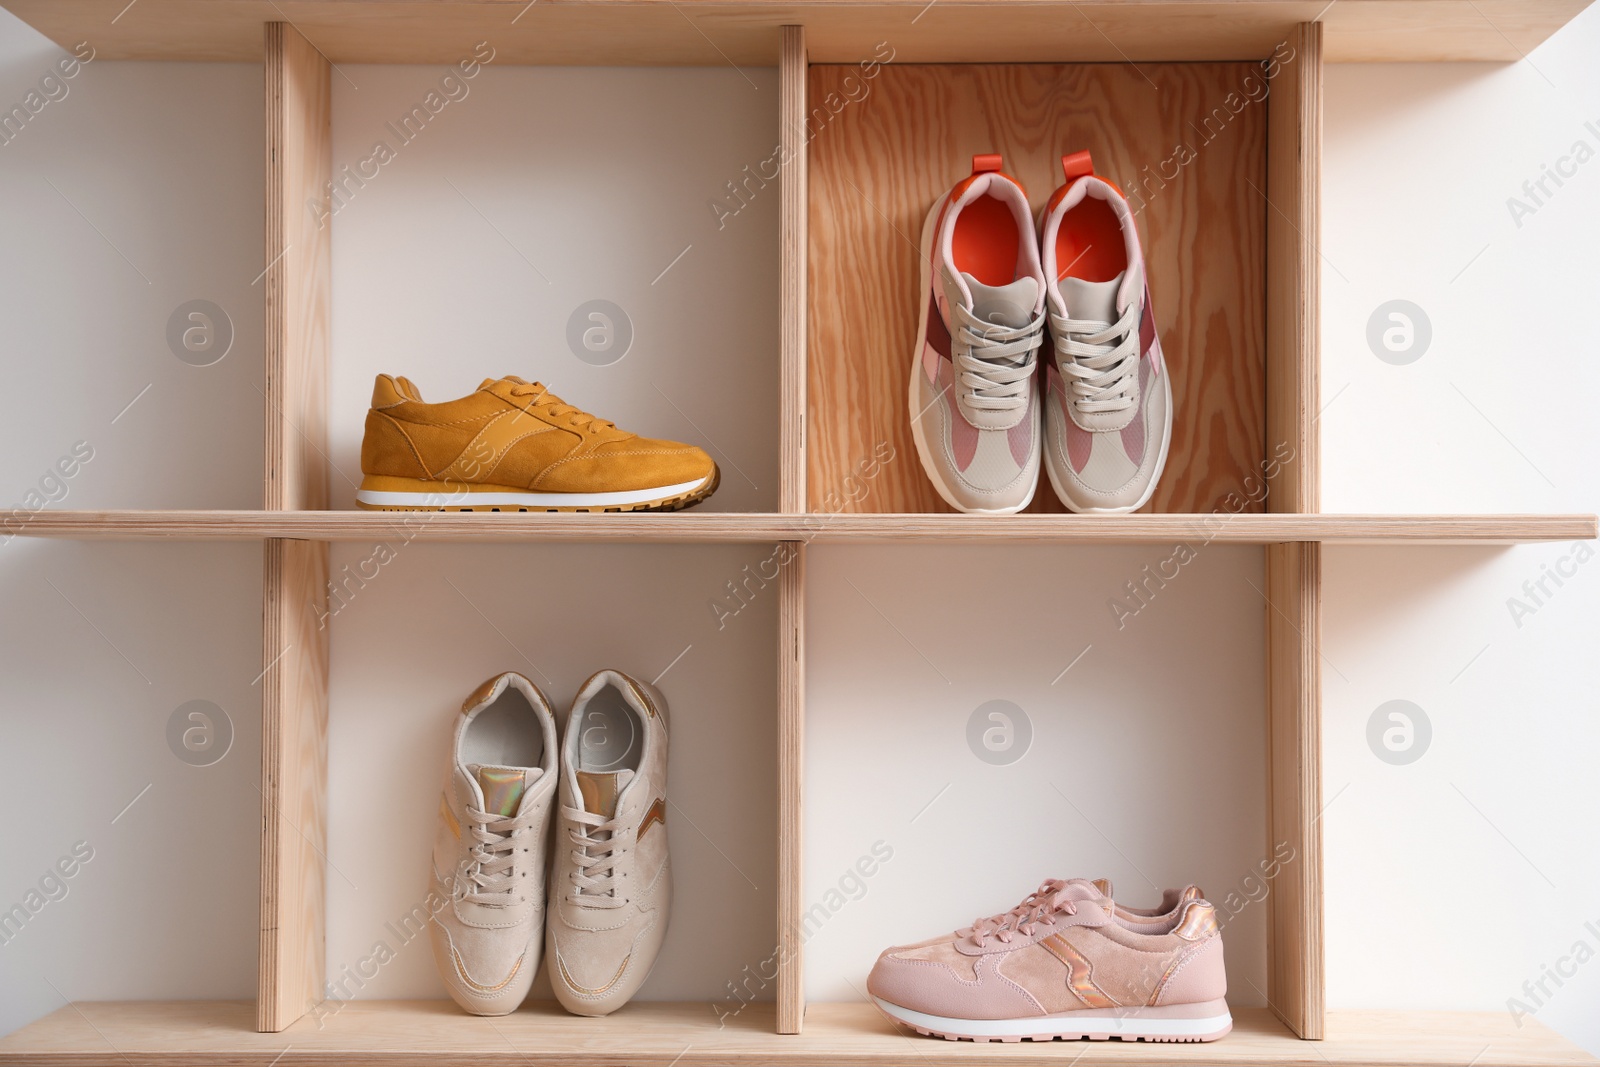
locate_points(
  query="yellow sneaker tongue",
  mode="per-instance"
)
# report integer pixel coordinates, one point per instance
(600, 790)
(503, 788)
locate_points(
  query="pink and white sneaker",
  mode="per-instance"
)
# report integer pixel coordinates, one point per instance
(1108, 397)
(974, 393)
(1065, 963)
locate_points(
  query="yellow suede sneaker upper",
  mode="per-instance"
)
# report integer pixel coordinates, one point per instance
(514, 445)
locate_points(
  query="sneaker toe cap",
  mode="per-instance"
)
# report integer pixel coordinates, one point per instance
(485, 975)
(934, 988)
(636, 464)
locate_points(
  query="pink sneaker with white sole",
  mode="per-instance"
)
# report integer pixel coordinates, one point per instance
(1065, 963)
(1108, 396)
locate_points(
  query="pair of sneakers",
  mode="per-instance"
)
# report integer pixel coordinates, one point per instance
(1002, 298)
(601, 796)
(1068, 962)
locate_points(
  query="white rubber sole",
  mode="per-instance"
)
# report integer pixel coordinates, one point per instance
(1183, 1022)
(913, 397)
(424, 501)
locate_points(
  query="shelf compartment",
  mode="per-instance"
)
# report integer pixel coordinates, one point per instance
(761, 527)
(436, 1034)
(693, 32)
(1196, 179)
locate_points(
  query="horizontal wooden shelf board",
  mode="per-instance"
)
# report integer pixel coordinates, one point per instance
(437, 1034)
(745, 32)
(759, 527)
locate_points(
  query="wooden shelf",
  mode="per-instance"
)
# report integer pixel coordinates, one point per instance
(762, 527)
(436, 1034)
(746, 32)
(1274, 258)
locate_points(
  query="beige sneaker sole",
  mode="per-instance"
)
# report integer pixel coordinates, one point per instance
(380, 493)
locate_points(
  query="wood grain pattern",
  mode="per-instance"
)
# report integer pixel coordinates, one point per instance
(1296, 975)
(791, 788)
(792, 215)
(753, 528)
(884, 158)
(1294, 270)
(294, 679)
(294, 771)
(710, 32)
(299, 154)
(1295, 971)
(436, 1033)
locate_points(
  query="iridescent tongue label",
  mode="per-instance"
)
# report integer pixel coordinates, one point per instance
(599, 792)
(502, 789)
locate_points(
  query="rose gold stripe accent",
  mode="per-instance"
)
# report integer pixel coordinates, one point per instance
(462, 973)
(581, 990)
(1199, 922)
(656, 814)
(1080, 972)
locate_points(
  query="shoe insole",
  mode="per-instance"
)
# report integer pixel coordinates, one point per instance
(610, 738)
(505, 734)
(985, 241)
(1089, 243)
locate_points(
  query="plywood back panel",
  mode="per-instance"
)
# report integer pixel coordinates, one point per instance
(1187, 144)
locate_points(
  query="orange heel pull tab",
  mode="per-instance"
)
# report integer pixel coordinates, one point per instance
(985, 163)
(1077, 165)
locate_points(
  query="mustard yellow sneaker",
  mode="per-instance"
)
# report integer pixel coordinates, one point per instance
(515, 446)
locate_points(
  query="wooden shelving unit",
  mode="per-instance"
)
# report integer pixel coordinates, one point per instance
(1239, 298)
(760, 527)
(434, 1034)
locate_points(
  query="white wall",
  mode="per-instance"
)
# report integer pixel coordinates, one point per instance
(159, 181)
(439, 619)
(1478, 858)
(136, 192)
(1134, 751)
(535, 192)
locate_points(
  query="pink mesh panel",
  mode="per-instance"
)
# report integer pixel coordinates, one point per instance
(1020, 438)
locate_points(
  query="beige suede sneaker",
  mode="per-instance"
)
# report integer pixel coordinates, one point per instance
(611, 895)
(489, 858)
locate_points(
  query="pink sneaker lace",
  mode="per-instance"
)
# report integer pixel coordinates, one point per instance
(1039, 908)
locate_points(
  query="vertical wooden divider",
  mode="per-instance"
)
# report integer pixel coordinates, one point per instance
(791, 788)
(1295, 979)
(294, 681)
(792, 68)
(1294, 174)
(792, 500)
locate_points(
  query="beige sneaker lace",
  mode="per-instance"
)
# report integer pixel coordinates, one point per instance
(1100, 360)
(594, 856)
(489, 875)
(554, 407)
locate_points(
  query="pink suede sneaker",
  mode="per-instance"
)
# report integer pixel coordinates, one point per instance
(1065, 963)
